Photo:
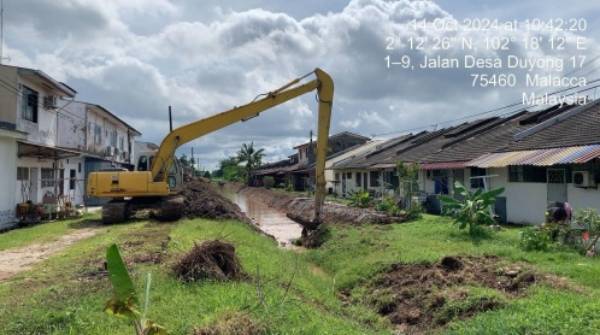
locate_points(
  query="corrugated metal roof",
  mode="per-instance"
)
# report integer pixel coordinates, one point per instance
(443, 165)
(540, 157)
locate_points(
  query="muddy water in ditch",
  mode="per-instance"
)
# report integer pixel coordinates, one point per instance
(269, 220)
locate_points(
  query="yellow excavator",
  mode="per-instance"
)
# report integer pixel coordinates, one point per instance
(130, 191)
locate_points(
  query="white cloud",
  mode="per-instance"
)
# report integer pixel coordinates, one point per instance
(136, 58)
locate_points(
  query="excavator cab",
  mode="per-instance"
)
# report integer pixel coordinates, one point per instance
(144, 162)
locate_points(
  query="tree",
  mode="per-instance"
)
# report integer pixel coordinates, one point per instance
(408, 176)
(473, 209)
(229, 169)
(252, 157)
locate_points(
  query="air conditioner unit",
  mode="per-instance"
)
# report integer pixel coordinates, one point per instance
(583, 179)
(51, 102)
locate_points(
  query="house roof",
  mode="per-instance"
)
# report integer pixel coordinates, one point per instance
(65, 89)
(359, 160)
(492, 137)
(417, 147)
(552, 127)
(574, 126)
(355, 149)
(539, 157)
(101, 108)
(340, 134)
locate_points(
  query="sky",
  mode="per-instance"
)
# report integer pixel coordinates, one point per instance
(137, 57)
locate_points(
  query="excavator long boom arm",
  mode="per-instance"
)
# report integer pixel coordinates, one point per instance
(323, 84)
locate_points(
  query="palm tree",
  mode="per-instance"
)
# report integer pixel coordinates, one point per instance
(252, 157)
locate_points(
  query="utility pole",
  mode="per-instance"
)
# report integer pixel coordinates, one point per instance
(193, 163)
(1, 31)
(310, 150)
(170, 120)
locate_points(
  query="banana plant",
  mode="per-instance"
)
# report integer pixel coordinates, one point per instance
(473, 209)
(124, 302)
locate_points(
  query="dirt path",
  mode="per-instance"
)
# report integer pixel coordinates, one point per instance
(13, 261)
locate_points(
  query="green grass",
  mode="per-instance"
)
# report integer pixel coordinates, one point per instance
(40, 233)
(56, 299)
(291, 292)
(355, 254)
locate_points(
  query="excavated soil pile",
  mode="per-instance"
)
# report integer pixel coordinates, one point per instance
(419, 297)
(302, 209)
(213, 260)
(233, 324)
(202, 199)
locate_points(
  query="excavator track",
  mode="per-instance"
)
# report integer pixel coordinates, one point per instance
(115, 212)
(170, 209)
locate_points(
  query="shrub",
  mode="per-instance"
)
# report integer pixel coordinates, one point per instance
(385, 204)
(289, 187)
(590, 220)
(534, 239)
(414, 212)
(360, 199)
(474, 208)
(268, 182)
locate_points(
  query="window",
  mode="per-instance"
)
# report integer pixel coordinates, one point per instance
(143, 163)
(526, 174)
(47, 177)
(358, 178)
(337, 176)
(22, 173)
(374, 176)
(72, 180)
(515, 174)
(29, 104)
(349, 175)
(477, 172)
(113, 138)
(97, 134)
(122, 144)
(79, 167)
(391, 180)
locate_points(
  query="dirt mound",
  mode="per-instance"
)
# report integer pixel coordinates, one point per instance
(202, 199)
(233, 324)
(214, 260)
(302, 209)
(418, 297)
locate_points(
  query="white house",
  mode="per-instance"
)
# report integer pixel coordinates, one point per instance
(8, 150)
(49, 141)
(103, 140)
(337, 183)
(28, 107)
(539, 157)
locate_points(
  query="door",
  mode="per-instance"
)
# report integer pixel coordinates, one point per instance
(557, 185)
(72, 184)
(365, 177)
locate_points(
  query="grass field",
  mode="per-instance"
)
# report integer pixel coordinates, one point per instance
(289, 292)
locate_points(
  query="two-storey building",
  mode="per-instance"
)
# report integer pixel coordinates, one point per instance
(49, 141)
